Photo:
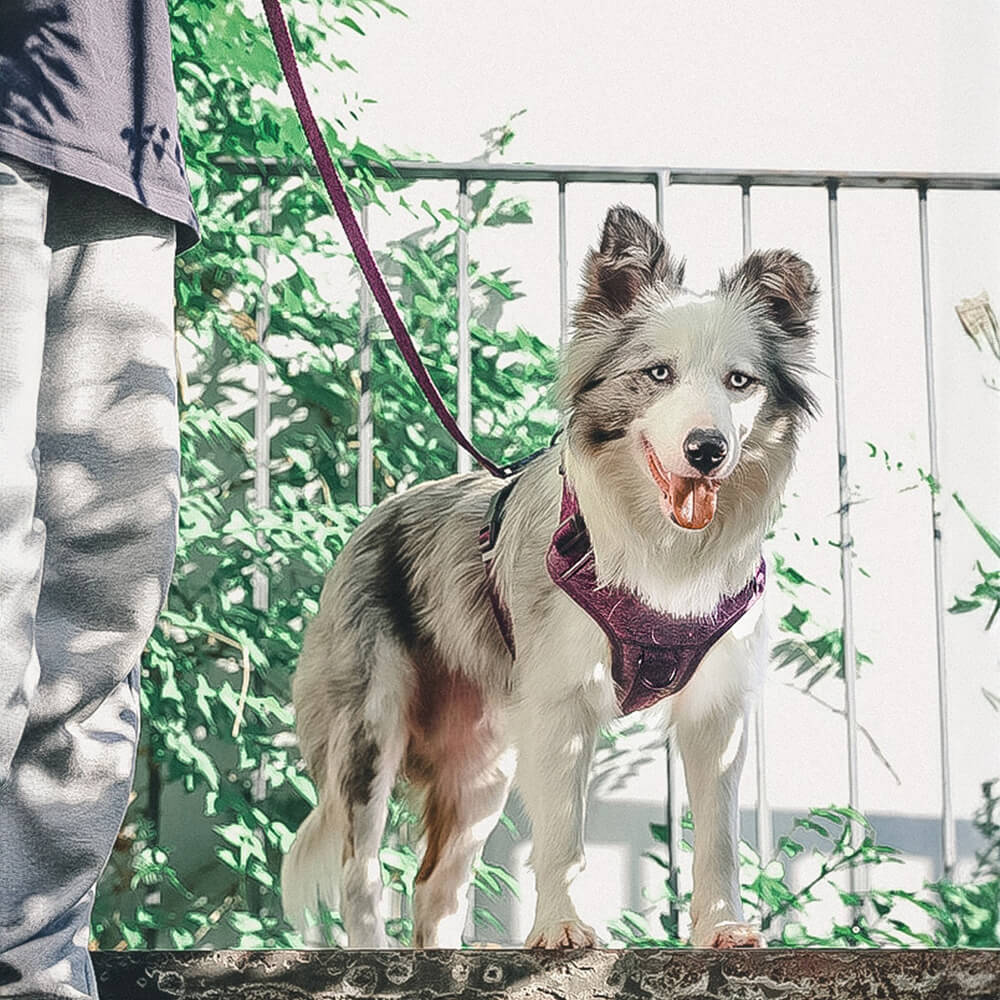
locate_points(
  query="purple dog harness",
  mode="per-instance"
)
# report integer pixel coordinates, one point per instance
(653, 654)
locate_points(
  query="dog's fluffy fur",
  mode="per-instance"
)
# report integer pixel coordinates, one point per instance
(405, 672)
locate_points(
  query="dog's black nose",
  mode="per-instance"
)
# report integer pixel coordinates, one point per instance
(705, 450)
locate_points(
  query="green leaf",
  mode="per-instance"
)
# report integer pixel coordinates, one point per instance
(794, 619)
(660, 832)
(790, 847)
(987, 536)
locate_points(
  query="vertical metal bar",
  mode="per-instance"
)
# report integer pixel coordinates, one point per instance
(674, 783)
(366, 447)
(745, 202)
(662, 183)
(948, 848)
(153, 815)
(464, 387)
(563, 267)
(366, 439)
(262, 409)
(464, 309)
(849, 653)
(764, 825)
(261, 485)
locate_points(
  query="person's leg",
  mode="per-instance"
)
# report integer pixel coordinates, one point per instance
(24, 287)
(24, 290)
(107, 494)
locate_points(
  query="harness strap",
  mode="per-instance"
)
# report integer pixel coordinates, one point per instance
(342, 205)
(490, 530)
(489, 533)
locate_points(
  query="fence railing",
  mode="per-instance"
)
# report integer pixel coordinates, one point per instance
(662, 179)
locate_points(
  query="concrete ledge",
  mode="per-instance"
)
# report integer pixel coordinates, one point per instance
(802, 974)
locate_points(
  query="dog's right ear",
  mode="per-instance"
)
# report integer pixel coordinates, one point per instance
(633, 256)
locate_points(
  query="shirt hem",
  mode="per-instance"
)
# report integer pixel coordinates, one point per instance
(85, 166)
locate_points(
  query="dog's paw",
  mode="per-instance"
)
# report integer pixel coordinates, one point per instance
(730, 934)
(562, 934)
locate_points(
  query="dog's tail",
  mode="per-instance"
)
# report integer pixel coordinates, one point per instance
(310, 873)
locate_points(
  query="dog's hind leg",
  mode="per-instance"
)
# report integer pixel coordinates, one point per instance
(350, 700)
(462, 807)
(366, 781)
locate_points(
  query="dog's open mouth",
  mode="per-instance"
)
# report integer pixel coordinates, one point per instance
(688, 500)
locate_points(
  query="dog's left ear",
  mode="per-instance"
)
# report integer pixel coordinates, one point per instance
(784, 283)
(633, 255)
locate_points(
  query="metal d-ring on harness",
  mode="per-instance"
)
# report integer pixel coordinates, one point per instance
(652, 654)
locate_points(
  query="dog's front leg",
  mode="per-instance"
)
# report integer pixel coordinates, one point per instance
(713, 748)
(556, 745)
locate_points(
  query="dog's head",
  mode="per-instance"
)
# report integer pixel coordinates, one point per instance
(684, 390)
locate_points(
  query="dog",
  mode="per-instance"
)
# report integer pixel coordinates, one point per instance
(681, 416)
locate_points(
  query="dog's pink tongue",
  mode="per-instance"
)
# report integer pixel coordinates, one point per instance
(693, 500)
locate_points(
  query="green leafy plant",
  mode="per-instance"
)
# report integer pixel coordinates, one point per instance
(809, 649)
(837, 840)
(987, 590)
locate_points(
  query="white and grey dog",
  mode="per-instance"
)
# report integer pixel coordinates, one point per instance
(682, 414)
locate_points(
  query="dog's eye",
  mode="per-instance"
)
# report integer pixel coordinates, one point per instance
(739, 380)
(659, 373)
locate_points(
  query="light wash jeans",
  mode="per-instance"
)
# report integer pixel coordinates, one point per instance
(88, 511)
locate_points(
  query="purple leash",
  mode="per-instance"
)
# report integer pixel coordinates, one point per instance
(335, 189)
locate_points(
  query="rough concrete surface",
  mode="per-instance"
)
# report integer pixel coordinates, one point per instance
(802, 974)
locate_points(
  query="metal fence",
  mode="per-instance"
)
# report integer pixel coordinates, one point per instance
(661, 179)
